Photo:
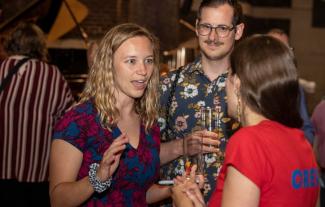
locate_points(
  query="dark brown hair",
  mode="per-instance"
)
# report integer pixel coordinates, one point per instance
(269, 80)
(238, 13)
(27, 39)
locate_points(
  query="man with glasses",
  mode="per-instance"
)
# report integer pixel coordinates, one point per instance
(200, 83)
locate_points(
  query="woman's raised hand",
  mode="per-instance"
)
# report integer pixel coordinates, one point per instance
(111, 157)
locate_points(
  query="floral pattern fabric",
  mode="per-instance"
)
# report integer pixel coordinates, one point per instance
(138, 168)
(193, 91)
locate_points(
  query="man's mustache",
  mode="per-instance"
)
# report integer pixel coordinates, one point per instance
(216, 43)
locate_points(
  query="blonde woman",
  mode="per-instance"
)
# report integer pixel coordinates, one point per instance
(105, 150)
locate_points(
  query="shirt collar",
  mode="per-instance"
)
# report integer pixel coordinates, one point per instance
(196, 66)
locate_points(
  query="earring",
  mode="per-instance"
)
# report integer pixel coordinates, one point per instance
(238, 107)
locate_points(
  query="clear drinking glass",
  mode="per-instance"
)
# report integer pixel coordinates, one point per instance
(193, 149)
(192, 155)
(211, 121)
(211, 118)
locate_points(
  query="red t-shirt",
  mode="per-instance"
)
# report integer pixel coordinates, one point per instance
(278, 159)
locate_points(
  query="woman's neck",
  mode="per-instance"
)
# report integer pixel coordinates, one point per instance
(251, 118)
(125, 105)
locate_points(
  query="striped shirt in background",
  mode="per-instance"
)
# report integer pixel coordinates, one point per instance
(30, 104)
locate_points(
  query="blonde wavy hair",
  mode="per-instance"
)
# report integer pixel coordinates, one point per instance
(100, 85)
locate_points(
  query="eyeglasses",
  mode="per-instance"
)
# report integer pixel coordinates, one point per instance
(221, 30)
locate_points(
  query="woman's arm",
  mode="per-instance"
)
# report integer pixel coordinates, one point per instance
(157, 193)
(239, 190)
(65, 162)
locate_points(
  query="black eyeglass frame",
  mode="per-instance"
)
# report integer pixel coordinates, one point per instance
(229, 29)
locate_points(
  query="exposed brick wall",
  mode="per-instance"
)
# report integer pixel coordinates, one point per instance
(101, 17)
(160, 17)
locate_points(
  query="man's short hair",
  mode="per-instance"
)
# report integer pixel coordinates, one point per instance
(238, 12)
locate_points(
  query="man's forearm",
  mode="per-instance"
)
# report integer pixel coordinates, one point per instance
(170, 150)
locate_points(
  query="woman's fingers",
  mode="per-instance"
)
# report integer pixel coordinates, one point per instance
(195, 199)
(112, 151)
(112, 154)
(118, 144)
(193, 173)
(179, 180)
(198, 195)
(122, 139)
(196, 178)
(194, 193)
(111, 157)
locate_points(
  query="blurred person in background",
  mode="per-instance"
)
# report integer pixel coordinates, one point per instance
(32, 98)
(318, 120)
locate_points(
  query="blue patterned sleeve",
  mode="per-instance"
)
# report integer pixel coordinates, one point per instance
(70, 129)
(164, 92)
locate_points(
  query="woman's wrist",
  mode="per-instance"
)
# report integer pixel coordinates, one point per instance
(102, 174)
(98, 185)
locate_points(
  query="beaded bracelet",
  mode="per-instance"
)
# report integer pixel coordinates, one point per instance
(98, 185)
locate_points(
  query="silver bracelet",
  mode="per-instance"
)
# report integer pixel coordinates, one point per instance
(98, 185)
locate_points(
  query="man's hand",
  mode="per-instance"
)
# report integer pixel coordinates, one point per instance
(204, 141)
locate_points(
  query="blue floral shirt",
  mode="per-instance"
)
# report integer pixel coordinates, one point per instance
(194, 90)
